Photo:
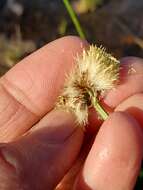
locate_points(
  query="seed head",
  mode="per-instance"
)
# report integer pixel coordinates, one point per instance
(95, 72)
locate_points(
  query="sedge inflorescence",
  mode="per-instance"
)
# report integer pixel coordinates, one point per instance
(94, 73)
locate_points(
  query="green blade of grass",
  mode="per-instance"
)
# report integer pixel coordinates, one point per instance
(74, 18)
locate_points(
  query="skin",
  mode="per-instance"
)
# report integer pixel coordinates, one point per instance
(42, 148)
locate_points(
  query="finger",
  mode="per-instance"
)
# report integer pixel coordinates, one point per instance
(39, 160)
(28, 91)
(131, 75)
(115, 158)
(134, 106)
(68, 181)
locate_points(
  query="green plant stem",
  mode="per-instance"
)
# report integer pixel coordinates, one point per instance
(74, 18)
(96, 104)
(103, 114)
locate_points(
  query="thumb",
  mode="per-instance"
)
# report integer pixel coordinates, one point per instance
(40, 159)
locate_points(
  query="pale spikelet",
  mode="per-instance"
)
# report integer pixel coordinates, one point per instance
(95, 72)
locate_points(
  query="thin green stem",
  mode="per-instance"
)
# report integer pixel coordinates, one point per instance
(103, 114)
(96, 104)
(74, 19)
(79, 29)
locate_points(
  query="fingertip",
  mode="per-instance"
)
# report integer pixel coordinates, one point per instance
(131, 75)
(71, 40)
(116, 154)
(134, 106)
(131, 60)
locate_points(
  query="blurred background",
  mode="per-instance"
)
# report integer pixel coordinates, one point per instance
(26, 25)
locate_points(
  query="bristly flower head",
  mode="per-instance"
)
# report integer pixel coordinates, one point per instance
(95, 72)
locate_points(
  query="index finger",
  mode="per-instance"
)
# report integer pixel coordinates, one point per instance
(28, 91)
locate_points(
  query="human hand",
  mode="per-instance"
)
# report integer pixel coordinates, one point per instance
(37, 156)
